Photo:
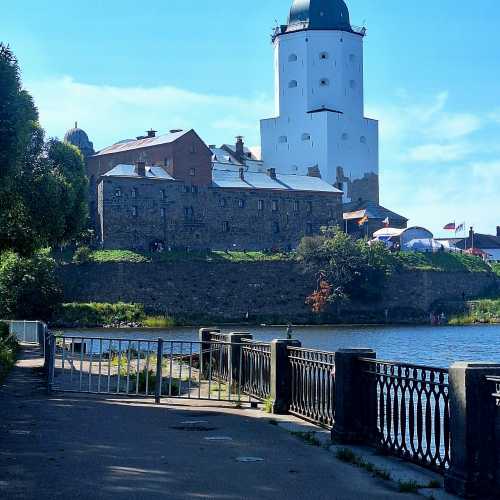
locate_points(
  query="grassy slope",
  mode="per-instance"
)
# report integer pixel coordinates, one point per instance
(496, 268)
(445, 262)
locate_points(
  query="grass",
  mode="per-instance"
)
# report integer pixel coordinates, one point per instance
(496, 268)
(348, 456)
(268, 405)
(159, 322)
(480, 311)
(107, 256)
(308, 437)
(440, 261)
(408, 486)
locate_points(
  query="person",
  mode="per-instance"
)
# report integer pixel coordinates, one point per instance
(289, 331)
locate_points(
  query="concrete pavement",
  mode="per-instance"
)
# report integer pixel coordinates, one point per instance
(76, 447)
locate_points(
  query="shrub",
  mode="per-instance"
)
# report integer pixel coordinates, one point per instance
(82, 255)
(4, 330)
(28, 286)
(99, 314)
(159, 322)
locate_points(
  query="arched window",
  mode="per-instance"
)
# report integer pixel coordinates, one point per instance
(323, 56)
(292, 84)
(306, 137)
(283, 139)
(362, 139)
(324, 82)
(292, 57)
(118, 192)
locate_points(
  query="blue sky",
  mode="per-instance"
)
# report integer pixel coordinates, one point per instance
(432, 76)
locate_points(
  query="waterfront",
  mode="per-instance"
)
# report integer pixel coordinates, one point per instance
(438, 346)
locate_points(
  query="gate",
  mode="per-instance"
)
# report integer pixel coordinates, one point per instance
(212, 371)
(29, 332)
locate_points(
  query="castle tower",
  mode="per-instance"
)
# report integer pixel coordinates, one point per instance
(319, 101)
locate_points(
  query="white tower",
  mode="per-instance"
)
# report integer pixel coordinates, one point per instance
(320, 120)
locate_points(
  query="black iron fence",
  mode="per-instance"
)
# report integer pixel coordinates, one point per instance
(312, 385)
(412, 415)
(256, 368)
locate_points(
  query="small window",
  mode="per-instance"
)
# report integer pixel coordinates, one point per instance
(345, 136)
(241, 203)
(324, 82)
(223, 203)
(194, 189)
(192, 149)
(283, 139)
(309, 229)
(352, 84)
(118, 192)
(135, 212)
(362, 139)
(134, 193)
(306, 137)
(296, 206)
(276, 228)
(309, 206)
(292, 57)
(352, 58)
(192, 172)
(275, 206)
(261, 205)
(187, 189)
(163, 213)
(323, 56)
(225, 227)
(163, 194)
(292, 84)
(188, 211)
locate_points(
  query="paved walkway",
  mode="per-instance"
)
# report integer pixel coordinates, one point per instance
(70, 447)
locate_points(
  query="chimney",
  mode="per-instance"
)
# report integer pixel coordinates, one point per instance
(140, 168)
(314, 172)
(240, 146)
(242, 173)
(272, 173)
(498, 231)
(151, 133)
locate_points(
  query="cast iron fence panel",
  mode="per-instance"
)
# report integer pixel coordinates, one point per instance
(141, 368)
(412, 416)
(256, 369)
(313, 385)
(495, 383)
(218, 353)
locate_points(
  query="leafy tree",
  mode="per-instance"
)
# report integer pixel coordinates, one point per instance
(28, 286)
(347, 269)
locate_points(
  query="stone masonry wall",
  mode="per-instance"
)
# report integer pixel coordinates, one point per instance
(267, 291)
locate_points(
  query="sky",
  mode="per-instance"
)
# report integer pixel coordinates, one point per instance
(432, 79)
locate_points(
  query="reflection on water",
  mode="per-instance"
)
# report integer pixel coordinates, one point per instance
(438, 346)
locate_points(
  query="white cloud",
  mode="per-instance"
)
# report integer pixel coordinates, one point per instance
(454, 126)
(435, 153)
(109, 113)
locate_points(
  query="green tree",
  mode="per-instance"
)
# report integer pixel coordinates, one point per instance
(347, 269)
(28, 286)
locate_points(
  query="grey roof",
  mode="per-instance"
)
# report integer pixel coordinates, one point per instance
(79, 138)
(128, 145)
(372, 210)
(229, 178)
(483, 241)
(129, 171)
(319, 15)
(220, 155)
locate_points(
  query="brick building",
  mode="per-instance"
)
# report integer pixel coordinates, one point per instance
(173, 191)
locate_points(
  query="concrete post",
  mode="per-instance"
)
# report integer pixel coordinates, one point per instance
(205, 336)
(472, 427)
(281, 380)
(355, 397)
(234, 357)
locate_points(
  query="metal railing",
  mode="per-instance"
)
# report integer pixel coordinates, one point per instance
(313, 385)
(29, 332)
(256, 366)
(412, 416)
(495, 383)
(141, 368)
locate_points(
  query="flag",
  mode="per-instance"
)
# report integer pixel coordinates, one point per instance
(460, 228)
(363, 221)
(386, 222)
(450, 227)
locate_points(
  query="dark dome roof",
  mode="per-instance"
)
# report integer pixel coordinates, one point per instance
(319, 15)
(80, 139)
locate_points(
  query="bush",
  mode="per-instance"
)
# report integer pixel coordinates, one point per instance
(82, 255)
(8, 349)
(28, 286)
(159, 322)
(4, 330)
(99, 314)
(496, 268)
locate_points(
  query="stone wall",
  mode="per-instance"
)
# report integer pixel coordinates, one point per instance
(266, 291)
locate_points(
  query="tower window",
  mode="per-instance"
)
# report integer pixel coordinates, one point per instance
(163, 194)
(324, 82)
(192, 172)
(292, 57)
(345, 136)
(309, 229)
(283, 139)
(292, 84)
(323, 55)
(352, 84)
(295, 206)
(309, 206)
(163, 213)
(134, 212)
(225, 227)
(261, 205)
(134, 193)
(188, 211)
(362, 139)
(352, 58)
(306, 137)
(276, 228)
(222, 203)
(241, 203)
(274, 206)
(118, 192)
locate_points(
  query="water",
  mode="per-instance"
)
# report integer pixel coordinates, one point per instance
(436, 346)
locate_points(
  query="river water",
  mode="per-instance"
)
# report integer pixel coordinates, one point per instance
(436, 346)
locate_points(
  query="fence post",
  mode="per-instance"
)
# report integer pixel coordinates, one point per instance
(52, 362)
(281, 380)
(235, 340)
(205, 336)
(472, 427)
(159, 374)
(355, 397)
